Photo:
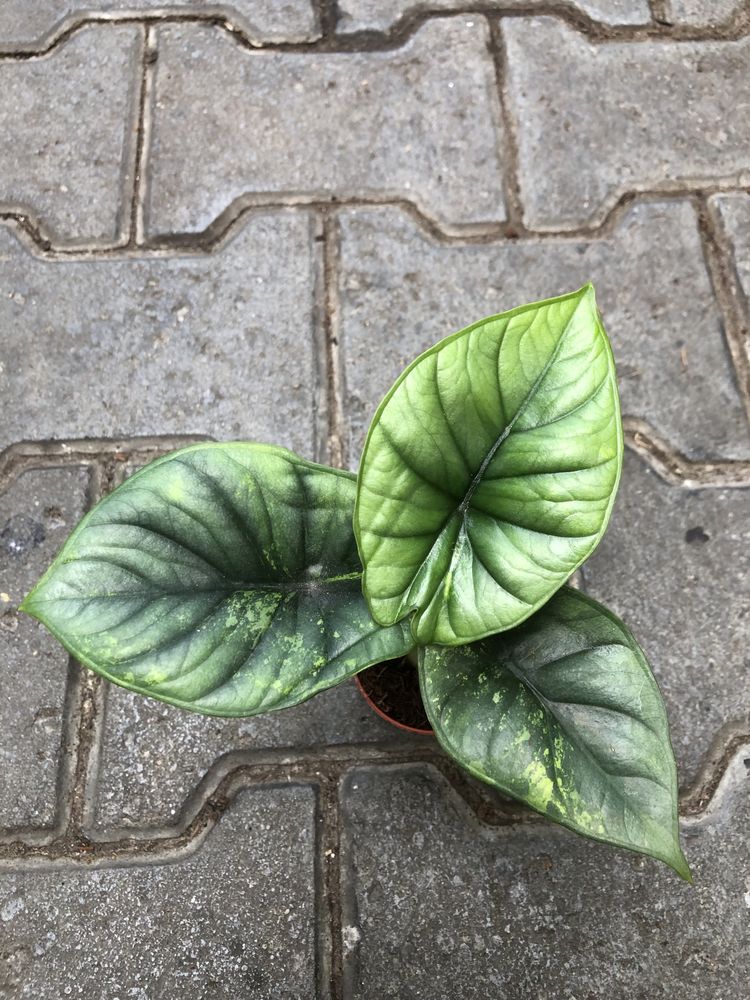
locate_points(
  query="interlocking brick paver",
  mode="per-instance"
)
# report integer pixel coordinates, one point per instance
(401, 291)
(37, 511)
(675, 565)
(25, 25)
(380, 15)
(602, 119)
(154, 755)
(219, 344)
(734, 212)
(420, 123)
(235, 919)
(68, 124)
(439, 906)
(701, 13)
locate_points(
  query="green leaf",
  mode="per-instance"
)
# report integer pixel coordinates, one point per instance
(490, 471)
(564, 714)
(223, 578)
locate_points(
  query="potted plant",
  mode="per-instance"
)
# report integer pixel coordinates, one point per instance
(234, 579)
(392, 691)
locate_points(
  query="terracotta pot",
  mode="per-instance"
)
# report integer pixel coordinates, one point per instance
(361, 681)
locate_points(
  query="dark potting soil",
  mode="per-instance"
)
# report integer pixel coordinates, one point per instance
(394, 687)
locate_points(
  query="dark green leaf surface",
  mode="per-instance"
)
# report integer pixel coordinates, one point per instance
(490, 471)
(564, 714)
(222, 578)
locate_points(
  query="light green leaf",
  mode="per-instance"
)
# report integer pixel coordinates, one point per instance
(223, 578)
(490, 471)
(564, 714)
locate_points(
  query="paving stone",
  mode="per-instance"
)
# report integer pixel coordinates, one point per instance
(420, 123)
(703, 14)
(602, 119)
(235, 919)
(440, 907)
(68, 125)
(734, 212)
(218, 344)
(401, 291)
(381, 15)
(25, 26)
(37, 512)
(153, 755)
(675, 565)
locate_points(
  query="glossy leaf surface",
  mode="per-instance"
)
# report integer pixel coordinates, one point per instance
(490, 471)
(564, 714)
(221, 578)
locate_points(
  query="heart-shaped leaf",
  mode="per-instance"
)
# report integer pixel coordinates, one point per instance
(223, 578)
(564, 714)
(490, 471)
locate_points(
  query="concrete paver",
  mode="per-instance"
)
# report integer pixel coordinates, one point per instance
(37, 512)
(439, 906)
(222, 344)
(153, 755)
(675, 565)
(29, 26)
(401, 291)
(734, 212)
(704, 14)
(130, 932)
(68, 121)
(419, 123)
(381, 15)
(603, 119)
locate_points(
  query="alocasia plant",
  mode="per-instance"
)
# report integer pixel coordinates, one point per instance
(234, 579)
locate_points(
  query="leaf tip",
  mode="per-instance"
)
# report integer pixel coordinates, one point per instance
(588, 291)
(27, 604)
(680, 865)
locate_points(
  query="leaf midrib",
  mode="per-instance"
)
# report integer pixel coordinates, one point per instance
(463, 506)
(574, 737)
(229, 587)
(508, 429)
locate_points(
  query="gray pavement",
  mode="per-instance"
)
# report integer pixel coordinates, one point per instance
(240, 221)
